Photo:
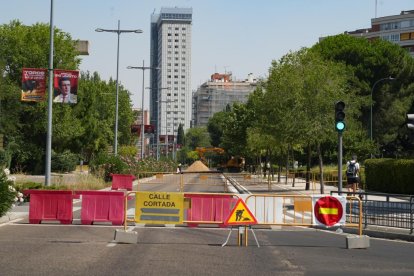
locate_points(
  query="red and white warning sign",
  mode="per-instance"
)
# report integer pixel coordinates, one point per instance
(329, 210)
(240, 215)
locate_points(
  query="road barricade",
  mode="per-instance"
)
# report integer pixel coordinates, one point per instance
(122, 181)
(102, 206)
(50, 205)
(207, 208)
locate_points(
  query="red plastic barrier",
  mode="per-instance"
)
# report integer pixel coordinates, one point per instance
(102, 206)
(122, 181)
(50, 205)
(209, 208)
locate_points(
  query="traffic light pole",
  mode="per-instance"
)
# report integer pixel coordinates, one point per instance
(339, 162)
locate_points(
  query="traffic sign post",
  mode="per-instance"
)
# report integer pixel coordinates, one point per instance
(241, 216)
(329, 210)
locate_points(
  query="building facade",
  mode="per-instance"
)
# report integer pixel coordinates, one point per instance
(170, 101)
(214, 95)
(395, 28)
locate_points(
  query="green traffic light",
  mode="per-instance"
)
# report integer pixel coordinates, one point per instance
(340, 126)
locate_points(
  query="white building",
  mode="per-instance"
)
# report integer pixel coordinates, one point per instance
(395, 28)
(170, 101)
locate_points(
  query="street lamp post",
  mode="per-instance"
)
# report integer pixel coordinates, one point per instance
(143, 68)
(158, 128)
(118, 32)
(166, 128)
(372, 91)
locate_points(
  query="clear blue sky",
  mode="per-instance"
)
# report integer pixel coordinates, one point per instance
(234, 35)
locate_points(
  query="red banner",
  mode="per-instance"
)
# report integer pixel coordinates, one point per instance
(66, 86)
(147, 129)
(33, 84)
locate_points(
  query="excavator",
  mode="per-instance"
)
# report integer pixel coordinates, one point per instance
(234, 164)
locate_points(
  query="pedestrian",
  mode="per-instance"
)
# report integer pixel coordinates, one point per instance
(352, 174)
(179, 168)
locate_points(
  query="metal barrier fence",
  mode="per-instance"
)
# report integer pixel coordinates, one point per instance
(389, 210)
(268, 209)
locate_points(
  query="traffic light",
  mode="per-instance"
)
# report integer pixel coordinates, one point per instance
(339, 116)
(410, 121)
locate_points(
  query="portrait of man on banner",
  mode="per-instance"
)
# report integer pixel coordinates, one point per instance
(33, 84)
(66, 86)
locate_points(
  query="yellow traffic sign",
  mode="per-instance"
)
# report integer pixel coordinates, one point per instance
(159, 208)
(240, 215)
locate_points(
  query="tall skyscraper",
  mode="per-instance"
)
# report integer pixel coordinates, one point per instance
(170, 101)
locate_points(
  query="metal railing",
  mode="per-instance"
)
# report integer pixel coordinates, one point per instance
(387, 210)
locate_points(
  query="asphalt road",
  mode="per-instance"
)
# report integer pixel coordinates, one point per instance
(53, 249)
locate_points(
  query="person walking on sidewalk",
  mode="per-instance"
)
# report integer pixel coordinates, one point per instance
(352, 174)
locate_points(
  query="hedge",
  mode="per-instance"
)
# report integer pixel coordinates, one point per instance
(390, 175)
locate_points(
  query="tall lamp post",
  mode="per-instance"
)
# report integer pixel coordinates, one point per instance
(143, 68)
(157, 128)
(118, 32)
(166, 128)
(372, 91)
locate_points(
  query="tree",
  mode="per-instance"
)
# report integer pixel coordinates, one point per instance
(85, 128)
(28, 46)
(197, 137)
(370, 61)
(180, 135)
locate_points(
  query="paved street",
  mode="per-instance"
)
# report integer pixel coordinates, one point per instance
(88, 250)
(79, 249)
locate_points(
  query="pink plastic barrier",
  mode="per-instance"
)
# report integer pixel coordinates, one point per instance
(50, 205)
(209, 208)
(102, 206)
(122, 181)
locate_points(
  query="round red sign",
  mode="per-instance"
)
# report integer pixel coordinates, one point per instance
(328, 210)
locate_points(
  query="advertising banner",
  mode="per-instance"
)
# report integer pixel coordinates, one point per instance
(33, 84)
(65, 86)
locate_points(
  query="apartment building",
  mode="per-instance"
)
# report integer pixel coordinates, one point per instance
(170, 101)
(398, 29)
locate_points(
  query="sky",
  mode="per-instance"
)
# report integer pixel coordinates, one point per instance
(237, 36)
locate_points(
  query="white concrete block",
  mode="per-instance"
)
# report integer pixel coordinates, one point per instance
(122, 236)
(357, 242)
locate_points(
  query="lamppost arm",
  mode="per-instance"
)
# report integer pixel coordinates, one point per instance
(143, 68)
(118, 32)
(372, 91)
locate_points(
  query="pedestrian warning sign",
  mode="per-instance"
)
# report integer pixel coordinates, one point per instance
(240, 215)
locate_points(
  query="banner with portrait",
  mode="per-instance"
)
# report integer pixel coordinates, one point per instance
(65, 86)
(33, 84)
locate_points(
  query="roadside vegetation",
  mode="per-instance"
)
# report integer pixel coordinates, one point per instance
(289, 118)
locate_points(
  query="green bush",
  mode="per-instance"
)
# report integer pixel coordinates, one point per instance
(4, 159)
(7, 194)
(128, 151)
(390, 175)
(104, 164)
(64, 162)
